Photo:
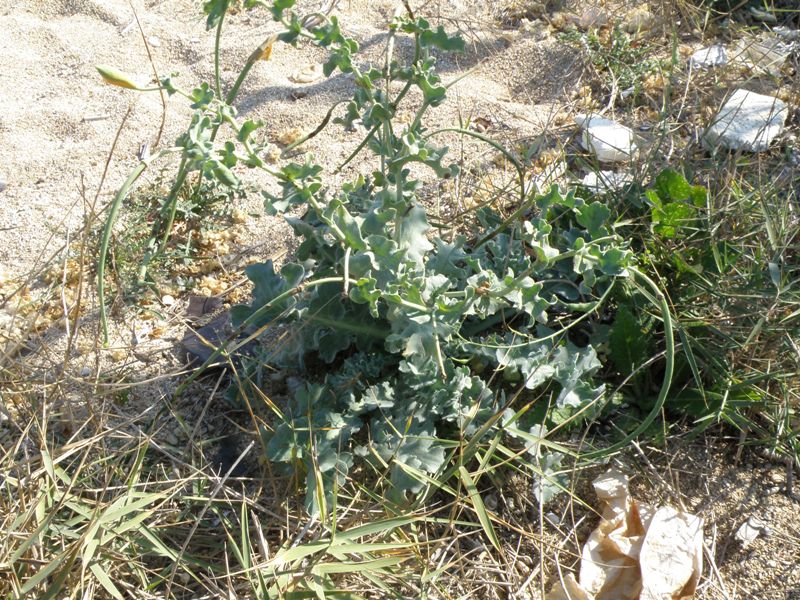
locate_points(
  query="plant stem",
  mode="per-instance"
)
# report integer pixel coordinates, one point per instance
(669, 368)
(217, 80)
(106, 238)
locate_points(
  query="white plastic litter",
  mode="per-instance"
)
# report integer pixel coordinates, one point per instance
(747, 121)
(638, 552)
(713, 56)
(607, 140)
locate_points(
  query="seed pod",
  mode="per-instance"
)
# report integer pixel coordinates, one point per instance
(225, 175)
(116, 77)
(264, 51)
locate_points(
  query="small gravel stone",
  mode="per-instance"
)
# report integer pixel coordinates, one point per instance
(553, 519)
(85, 372)
(167, 300)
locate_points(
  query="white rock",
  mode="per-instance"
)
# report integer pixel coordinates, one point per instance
(786, 34)
(553, 519)
(607, 140)
(308, 74)
(713, 56)
(747, 121)
(167, 300)
(154, 41)
(766, 53)
(749, 531)
(606, 181)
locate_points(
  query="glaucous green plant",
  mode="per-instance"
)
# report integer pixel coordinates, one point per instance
(214, 108)
(432, 341)
(425, 334)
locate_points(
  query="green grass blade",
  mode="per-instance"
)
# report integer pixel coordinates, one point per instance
(480, 509)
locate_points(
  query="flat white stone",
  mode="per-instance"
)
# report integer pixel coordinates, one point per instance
(766, 53)
(713, 56)
(606, 181)
(607, 140)
(747, 121)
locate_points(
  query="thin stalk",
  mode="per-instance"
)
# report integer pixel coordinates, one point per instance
(172, 202)
(217, 38)
(316, 131)
(248, 65)
(359, 148)
(122, 193)
(669, 368)
(156, 247)
(517, 166)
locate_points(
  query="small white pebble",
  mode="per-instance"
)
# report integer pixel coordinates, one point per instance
(553, 519)
(154, 41)
(167, 300)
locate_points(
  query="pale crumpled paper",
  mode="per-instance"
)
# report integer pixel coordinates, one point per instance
(638, 552)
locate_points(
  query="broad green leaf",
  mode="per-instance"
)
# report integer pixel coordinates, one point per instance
(672, 186)
(672, 217)
(441, 40)
(411, 234)
(628, 341)
(593, 217)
